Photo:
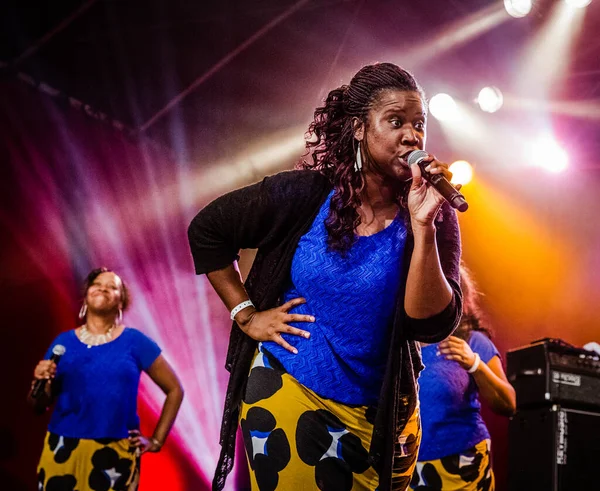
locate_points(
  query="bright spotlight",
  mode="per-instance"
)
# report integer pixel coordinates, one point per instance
(579, 4)
(490, 99)
(548, 154)
(518, 8)
(444, 108)
(462, 172)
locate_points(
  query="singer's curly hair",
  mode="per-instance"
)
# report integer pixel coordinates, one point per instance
(330, 140)
(473, 318)
(94, 273)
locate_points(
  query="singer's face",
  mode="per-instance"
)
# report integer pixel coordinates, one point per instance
(105, 293)
(395, 127)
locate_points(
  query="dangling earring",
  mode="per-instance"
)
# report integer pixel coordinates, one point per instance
(82, 311)
(358, 161)
(120, 316)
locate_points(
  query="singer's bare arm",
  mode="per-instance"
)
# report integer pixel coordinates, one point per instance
(427, 290)
(490, 378)
(494, 388)
(261, 326)
(164, 376)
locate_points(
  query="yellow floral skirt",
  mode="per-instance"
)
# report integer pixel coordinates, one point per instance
(69, 464)
(296, 440)
(467, 471)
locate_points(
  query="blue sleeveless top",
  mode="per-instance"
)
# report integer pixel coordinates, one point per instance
(352, 298)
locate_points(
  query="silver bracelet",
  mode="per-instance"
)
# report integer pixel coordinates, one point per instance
(239, 307)
(475, 365)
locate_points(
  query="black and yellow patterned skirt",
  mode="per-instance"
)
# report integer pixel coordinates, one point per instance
(296, 440)
(467, 471)
(69, 464)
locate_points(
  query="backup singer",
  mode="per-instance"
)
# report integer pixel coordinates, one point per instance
(456, 447)
(93, 439)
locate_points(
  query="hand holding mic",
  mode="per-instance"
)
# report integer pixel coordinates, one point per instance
(40, 384)
(438, 181)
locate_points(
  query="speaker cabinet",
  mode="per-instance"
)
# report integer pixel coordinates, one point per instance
(554, 449)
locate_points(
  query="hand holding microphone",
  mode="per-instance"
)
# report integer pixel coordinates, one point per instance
(45, 370)
(438, 181)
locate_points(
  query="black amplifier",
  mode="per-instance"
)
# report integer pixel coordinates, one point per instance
(554, 449)
(550, 371)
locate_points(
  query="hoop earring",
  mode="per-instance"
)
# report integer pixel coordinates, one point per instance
(82, 311)
(120, 316)
(358, 162)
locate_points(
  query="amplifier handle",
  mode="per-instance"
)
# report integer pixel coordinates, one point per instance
(526, 373)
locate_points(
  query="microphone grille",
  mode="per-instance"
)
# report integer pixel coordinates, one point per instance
(416, 157)
(59, 350)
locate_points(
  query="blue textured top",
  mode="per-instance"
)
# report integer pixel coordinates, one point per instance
(97, 387)
(450, 407)
(352, 298)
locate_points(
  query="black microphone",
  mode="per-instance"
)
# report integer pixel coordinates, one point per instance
(438, 181)
(38, 387)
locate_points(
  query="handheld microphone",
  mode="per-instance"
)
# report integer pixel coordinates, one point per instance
(38, 387)
(438, 181)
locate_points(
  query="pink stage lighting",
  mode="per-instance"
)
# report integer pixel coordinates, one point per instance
(518, 8)
(444, 108)
(579, 4)
(548, 154)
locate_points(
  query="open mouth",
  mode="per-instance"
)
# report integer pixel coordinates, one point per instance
(403, 160)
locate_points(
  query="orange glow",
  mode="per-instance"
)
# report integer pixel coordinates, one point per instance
(521, 262)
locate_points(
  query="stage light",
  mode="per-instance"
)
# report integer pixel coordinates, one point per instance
(555, 40)
(490, 99)
(548, 154)
(444, 108)
(452, 35)
(518, 8)
(579, 4)
(462, 172)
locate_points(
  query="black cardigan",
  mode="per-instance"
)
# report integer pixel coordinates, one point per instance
(271, 216)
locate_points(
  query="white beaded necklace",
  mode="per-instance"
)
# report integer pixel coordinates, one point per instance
(90, 339)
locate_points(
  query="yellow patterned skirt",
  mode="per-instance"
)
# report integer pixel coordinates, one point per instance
(296, 440)
(467, 471)
(69, 464)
